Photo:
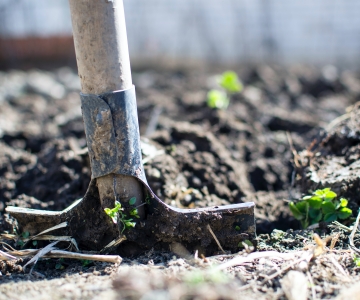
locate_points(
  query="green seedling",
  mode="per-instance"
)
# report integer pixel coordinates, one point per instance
(59, 265)
(217, 99)
(132, 201)
(25, 234)
(86, 262)
(147, 200)
(22, 238)
(357, 260)
(322, 205)
(116, 214)
(113, 213)
(229, 83)
(134, 212)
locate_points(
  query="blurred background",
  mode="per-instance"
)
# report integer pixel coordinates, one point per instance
(36, 33)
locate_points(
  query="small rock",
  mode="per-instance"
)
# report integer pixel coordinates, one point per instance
(352, 292)
(295, 285)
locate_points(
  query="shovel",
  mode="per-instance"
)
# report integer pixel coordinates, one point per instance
(112, 133)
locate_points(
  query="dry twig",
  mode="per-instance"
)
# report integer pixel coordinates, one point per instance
(215, 238)
(6, 256)
(40, 254)
(352, 234)
(65, 254)
(256, 255)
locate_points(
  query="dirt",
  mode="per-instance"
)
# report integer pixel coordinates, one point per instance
(194, 157)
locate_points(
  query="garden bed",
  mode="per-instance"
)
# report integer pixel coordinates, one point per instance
(194, 156)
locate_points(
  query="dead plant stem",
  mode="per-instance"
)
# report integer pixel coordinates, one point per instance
(215, 238)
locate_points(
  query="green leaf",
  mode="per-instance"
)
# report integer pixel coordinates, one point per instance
(326, 194)
(343, 202)
(134, 212)
(25, 234)
(315, 215)
(303, 207)
(230, 82)
(129, 224)
(330, 217)
(132, 201)
(328, 207)
(217, 99)
(344, 213)
(117, 206)
(329, 195)
(315, 202)
(305, 223)
(357, 261)
(59, 266)
(320, 192)
(298, 215)
(86, 262)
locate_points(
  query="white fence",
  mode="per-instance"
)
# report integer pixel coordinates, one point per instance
(282, 31)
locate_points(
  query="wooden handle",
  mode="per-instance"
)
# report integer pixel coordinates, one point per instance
(101, 45)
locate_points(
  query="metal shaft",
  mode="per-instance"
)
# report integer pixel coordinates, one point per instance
(103, 62)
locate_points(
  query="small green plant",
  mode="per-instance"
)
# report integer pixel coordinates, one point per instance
(356, 260)
(132, 201)
(147, 199)
(86, 262)
(59, 265)
(322, 205)
(116, 214)
(229, 83)
(217, 99)
(113, 213)
(25, 234)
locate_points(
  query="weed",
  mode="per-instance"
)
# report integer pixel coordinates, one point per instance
(116, 214)
(147, 199)
(25, 234)
(132, 201)
(228, 84)
(357, 260)
(322, 205)
(86, 262)
(59, 265)
(217, 99)
(134, 212)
